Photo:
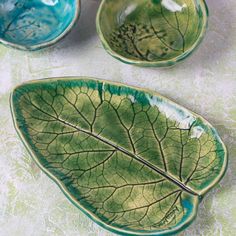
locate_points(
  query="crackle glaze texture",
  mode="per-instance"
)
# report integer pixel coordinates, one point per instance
(32, 24)
(32, 204)
(151, 32)
(132, 160)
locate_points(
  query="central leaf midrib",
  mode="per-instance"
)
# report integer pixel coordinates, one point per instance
(130, 154)
(123, 150)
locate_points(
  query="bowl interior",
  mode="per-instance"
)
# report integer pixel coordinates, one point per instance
(29, 23)
(151, 30)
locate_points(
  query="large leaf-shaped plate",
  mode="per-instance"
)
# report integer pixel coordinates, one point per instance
(132, 160)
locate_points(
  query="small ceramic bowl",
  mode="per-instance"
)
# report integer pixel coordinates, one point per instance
(31, 25)
(151, 32)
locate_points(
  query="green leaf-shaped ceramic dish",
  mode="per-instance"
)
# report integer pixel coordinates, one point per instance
(133, 161)
(151, 32)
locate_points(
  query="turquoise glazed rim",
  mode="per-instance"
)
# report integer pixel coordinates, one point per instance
(152, 33)
(32, 25)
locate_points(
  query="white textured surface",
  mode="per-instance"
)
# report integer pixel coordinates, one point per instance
(31, 204)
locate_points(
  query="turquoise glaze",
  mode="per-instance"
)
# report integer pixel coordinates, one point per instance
(30, 25)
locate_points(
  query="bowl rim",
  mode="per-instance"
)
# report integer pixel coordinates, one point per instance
(164, 63)
(50, 42)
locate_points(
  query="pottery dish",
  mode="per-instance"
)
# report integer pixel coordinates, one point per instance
(132, 160)
(31, 25)
(151, 32)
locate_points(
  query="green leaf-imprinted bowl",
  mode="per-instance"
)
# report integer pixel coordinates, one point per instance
(151, 32)
(133, 161)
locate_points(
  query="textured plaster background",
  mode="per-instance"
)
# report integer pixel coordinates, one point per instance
(32, 205)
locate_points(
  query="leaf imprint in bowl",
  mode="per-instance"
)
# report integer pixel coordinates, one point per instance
(151, 30)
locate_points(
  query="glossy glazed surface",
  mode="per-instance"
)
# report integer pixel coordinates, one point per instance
(34, 24)
(151, 32)
(132, 160)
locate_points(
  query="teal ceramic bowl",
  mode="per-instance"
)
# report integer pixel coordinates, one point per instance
(31, 25)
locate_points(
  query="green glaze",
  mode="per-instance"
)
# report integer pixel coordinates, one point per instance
(151, 32)
(132, 160)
